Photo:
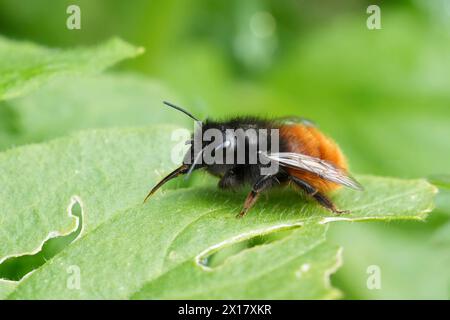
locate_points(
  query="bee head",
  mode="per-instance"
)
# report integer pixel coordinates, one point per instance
(208, 146)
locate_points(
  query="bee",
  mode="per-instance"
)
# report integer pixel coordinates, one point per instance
(302, 156)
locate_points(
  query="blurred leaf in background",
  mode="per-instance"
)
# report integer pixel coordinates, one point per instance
(62, 107)
(25, 66)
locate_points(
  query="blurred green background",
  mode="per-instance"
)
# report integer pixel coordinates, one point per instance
(384, 95)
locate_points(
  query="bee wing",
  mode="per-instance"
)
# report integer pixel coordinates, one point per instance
(322, 168)
(295, 120)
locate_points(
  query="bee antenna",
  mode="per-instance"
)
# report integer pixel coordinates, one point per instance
(180, 109)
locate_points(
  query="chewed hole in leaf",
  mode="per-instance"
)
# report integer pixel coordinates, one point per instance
(15, 268)
(221, 254)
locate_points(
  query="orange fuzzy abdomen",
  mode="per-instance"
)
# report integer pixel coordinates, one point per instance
(310, 141)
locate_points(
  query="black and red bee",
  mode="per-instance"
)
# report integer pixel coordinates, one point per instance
(305, 158)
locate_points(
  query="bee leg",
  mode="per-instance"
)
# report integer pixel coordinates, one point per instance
(322, 199)
(249, 202)
(264, 183)
(230, 180)
(325, 202)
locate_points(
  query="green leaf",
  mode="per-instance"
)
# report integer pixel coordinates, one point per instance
(295, 267)
(104, 171)
(6, 287)
(130, 250)
(25, 66)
